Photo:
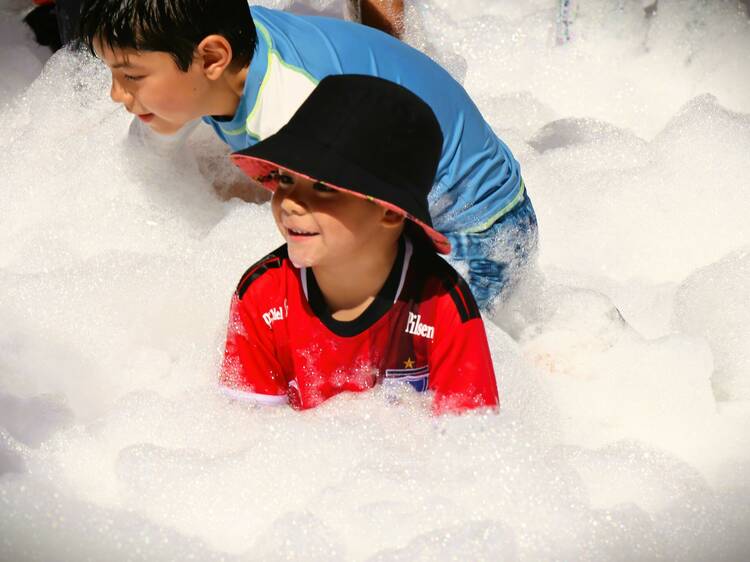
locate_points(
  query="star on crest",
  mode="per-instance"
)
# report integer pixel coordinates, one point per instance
(408, 364)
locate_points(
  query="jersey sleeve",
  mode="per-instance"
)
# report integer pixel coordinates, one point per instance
(461, 372)
(250, 370)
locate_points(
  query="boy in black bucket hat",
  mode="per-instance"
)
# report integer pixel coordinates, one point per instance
(358, 295)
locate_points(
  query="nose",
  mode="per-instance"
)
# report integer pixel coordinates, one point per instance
(118, 93)
(291, 200)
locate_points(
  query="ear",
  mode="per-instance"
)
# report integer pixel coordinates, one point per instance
(215, 54)
(392, 219)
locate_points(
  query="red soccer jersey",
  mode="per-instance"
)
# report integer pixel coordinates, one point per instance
(423, 328)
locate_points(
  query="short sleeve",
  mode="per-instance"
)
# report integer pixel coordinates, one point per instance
(461, 372)
(250, 370)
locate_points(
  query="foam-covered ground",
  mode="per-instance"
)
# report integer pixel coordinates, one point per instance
(624, 362)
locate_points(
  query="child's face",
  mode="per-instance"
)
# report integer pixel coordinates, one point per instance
(324, 226)
(151, 86)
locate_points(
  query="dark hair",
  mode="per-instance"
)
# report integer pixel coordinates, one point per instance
(172, 26)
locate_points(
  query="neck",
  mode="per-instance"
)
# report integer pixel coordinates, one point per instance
(227, 91)
(350, 286)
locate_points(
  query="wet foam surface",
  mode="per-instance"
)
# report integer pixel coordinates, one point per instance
(622, 361)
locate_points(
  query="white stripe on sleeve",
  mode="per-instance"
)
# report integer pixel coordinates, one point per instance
(253, 398)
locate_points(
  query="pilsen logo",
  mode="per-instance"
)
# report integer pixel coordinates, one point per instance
(415, 327)
(274, 314)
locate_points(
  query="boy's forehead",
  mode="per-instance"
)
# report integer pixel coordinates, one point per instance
(116, 57)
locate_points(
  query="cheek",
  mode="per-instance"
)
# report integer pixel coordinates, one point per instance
(276, 209)
(361, 220)
(164, 99)
(173, 95)
(348, 231)
(276, 203)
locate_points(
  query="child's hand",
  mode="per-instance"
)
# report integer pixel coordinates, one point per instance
(242, 188)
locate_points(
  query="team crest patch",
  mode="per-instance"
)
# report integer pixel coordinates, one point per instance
(415, 376)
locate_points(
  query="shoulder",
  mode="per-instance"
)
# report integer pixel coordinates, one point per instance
(261, 11)
(268, 269)
(272, 18)
(442, 282)
(311, 21)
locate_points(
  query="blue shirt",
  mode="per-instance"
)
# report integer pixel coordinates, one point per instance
(477, 180)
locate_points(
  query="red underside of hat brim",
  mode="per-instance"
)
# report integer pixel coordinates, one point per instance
(260, 170)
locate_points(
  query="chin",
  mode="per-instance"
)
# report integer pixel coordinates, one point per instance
(164, 128)
(301, 259)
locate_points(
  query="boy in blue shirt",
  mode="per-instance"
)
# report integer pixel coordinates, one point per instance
(246, 74)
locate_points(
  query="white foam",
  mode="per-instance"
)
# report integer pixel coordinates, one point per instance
(714, 303)
(624, 370)
(21, 59)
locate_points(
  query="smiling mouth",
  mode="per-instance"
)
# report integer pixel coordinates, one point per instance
(146, 117)
(300, 233)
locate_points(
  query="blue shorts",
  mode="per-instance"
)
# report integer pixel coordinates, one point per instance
(492, 261)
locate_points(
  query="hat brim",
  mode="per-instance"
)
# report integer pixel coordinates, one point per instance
(259, 161)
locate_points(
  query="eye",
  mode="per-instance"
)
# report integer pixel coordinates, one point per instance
(132, 78)
(322, 188)
(284, 179)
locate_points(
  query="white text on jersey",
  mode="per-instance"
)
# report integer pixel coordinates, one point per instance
(273, 315)
(415, 327)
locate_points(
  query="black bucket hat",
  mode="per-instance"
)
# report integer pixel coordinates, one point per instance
(363, 135)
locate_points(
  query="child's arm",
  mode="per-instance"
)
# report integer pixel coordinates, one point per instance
(250, 371)
(386, 15)
(461, 372)
(227, 180)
